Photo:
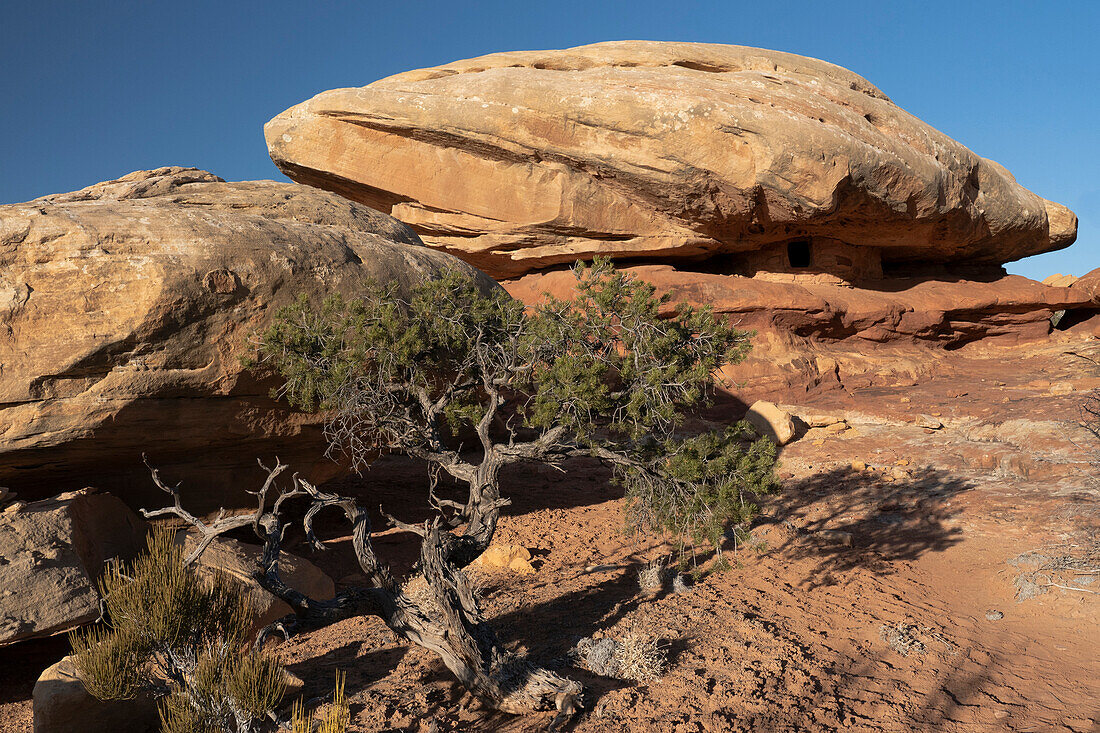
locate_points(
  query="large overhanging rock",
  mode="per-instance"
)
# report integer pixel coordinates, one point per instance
(677, 151)
(125, 310)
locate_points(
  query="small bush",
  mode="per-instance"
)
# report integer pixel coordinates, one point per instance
(641, 658)
(183, 639)
(636, 657)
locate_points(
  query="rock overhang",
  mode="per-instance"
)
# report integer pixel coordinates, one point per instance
(673, 151)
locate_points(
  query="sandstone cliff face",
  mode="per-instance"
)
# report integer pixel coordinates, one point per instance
(676, 151)
(812, 336)
(125, 309)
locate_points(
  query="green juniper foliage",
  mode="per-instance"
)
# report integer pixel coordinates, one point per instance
(174, 635)
(695, 487)
(610, 374)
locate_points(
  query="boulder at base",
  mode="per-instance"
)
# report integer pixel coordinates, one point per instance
(62, 705)
(771, 422)
(125, 309)
(51, 554)
(237, 561)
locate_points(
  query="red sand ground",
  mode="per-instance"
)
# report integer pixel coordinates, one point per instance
(897, 631)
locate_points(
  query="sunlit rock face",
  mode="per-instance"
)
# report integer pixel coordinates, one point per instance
(126, 309)
(724, 158)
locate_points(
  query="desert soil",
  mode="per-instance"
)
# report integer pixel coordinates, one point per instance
(906, 578)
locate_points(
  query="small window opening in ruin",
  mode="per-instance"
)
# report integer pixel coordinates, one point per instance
(798, 253)
(1066, 319)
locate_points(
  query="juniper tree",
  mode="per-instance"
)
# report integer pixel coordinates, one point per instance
(610, 375)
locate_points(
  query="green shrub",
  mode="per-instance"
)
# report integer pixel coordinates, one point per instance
(186, 640)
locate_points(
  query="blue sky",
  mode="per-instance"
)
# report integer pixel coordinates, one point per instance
(93, 90)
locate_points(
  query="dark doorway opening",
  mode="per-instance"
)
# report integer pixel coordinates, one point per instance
(1067, 319)
(798, 253)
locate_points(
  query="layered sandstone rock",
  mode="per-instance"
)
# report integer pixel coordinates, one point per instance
(51, 554)
(125, 309)
(1008, 310)
(813, 336)
(755, 161)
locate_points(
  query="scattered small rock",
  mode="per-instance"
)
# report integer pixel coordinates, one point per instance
(994, 615)
(858, 466)
(837, 536)
(771, 421)
(513, 557)
(814, 420)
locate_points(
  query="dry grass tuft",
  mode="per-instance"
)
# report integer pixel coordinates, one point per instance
(641, 658)
(651, 577)
(637, 657)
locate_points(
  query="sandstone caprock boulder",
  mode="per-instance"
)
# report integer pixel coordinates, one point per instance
(750, 160)
(125, 309)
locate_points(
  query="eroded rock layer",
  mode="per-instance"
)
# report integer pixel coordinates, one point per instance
(821, 335)
(125, 309)
(674, 151)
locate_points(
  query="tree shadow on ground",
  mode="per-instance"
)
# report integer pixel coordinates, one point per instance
(845, 519)
(888, 522)
(362, 668)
